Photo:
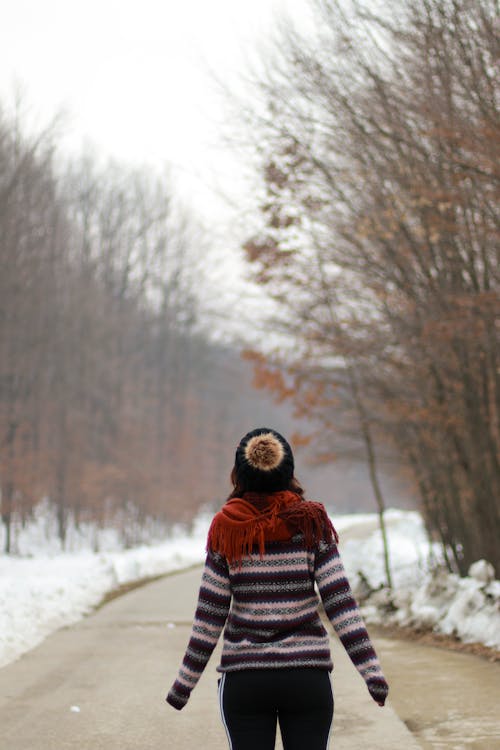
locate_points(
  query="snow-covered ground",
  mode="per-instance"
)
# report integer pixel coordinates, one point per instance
(43, 589)
(424, 594)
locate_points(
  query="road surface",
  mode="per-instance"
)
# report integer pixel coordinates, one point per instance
(449, 700)
(100, 685)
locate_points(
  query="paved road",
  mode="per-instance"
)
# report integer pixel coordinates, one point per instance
(101, 684)
(448, 699)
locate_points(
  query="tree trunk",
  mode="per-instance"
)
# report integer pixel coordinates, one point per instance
(372, 466)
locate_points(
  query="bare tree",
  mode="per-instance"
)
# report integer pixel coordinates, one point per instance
(378, 139)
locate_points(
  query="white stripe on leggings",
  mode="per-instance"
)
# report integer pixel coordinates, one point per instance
(221, 702)
(333, 714)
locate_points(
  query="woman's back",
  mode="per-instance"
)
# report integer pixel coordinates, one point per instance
(274, 615)
(268, 553)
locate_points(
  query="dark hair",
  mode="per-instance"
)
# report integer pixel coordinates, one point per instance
(240, 487)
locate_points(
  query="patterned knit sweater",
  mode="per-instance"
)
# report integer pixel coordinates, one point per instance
(269, 607)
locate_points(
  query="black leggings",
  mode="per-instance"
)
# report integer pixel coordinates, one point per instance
(251, 701)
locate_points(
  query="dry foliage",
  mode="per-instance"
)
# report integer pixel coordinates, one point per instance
(101, 368)
(379, 145)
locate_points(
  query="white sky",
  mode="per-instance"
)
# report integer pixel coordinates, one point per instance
(134, 76)
(135, 81)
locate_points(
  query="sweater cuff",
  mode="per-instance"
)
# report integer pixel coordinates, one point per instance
(177, 697)
(378, 689)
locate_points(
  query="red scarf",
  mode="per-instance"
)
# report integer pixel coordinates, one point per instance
(245, 522)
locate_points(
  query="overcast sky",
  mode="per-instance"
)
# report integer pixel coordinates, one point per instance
(135, 79)
(134, 76)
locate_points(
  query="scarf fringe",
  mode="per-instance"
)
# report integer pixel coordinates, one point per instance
(239, 527)
(313, 521)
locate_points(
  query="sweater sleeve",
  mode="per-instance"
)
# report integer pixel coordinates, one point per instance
(214, 600)
(343, 612)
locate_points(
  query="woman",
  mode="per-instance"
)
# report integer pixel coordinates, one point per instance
(266, 550)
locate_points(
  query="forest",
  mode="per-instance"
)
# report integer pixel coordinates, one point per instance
(378, 141)
(375, 137)
(116, 403)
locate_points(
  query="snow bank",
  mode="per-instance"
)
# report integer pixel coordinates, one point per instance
(50, 589)
(39, 536)
(409, 548)
(424, 594)
(45, 592)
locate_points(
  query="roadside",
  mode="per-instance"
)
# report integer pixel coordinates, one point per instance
(125, 588)
(426, 602)
(448, 699)
(438, 640)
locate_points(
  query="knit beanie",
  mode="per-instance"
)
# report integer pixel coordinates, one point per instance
(264, 461)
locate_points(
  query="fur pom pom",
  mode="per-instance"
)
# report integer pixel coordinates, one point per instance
(264, 452)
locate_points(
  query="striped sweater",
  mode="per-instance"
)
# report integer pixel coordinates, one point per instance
(269, 607)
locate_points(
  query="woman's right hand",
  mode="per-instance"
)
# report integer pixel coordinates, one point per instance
(378, 689)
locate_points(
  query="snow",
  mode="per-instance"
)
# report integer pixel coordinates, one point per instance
(409, 548)
(43, 589)
(50, 589)
(425, 594)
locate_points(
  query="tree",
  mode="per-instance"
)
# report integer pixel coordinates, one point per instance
(29, 214)
(97, 307)
(379, 139)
